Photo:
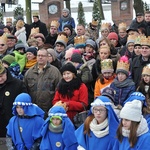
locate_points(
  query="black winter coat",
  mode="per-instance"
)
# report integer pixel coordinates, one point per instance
(8, 92)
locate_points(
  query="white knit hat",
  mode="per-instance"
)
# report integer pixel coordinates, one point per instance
(132, 111)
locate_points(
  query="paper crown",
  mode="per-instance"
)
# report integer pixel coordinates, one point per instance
(55, 23)
(106, 65)
(123, 64)
(146, 70)
(20, 23)
(145, 41)
(94, 22)
(62, 38)
(35, 14)
(2, 68)
(105, 26)
(131, 38)
(79, 40)
(35, 30)
(8, 19)
(122, 25)
(3, 38)
(137, 40)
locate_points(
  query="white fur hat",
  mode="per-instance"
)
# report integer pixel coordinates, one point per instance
(132, 111)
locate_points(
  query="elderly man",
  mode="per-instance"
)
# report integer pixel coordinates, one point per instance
(80, 30)
(10, 87)
(41, 81)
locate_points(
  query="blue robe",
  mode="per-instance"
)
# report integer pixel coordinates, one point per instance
(30, 130)
(143, 143)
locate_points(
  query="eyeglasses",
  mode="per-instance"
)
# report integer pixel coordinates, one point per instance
(2, 44)
(99, 110)
(41, 55)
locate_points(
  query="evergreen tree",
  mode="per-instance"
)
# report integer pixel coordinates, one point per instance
(138, 6)
(96, 12)
(18, 11)
(146, 7)
(81, 15)
(1, 16)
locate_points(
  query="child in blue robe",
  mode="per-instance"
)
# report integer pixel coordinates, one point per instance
(58, 132)
(133, 132)
(99, 129)
(24, 127)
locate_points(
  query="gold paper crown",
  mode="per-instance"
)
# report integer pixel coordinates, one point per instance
(55, 23)
(106, 65)
(2, 68)
(3, 38)
(123, 66)
(146, 70)
(62, 39)
(8, 19)
(105, 26)
(94, 22)
(131, 38)
(35, 14)
(137, 40)
(79, 40)
(20, 23)
(122, 25)
(145, 41)
(35, 30)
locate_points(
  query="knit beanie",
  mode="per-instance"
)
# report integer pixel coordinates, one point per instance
(69, 27)
(68, 67)
(40, 35)
(123, 65)
(69, 53)
(66, 10)
(113, 35)
(52, 53)
(8, 59)
(76, 58)
(19, 45)
(132, 111)
(90, 42)
(33, 50)
(109, 92)
(1, 32)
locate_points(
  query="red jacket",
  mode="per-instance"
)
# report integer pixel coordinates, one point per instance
(74, 103)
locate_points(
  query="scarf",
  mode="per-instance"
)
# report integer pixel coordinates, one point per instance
(99, 130)
(125, 83)
(31, 63)
(55, 129)
(142, 129)
(67, 18)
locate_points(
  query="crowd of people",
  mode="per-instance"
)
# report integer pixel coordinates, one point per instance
(50, 74)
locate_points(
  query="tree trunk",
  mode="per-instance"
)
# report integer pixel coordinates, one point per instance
(28, 11)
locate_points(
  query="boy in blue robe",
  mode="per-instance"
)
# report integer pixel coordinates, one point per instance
(58, 132)
(24, 127)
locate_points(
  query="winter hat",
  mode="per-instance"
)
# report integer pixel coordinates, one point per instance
(19, 45)
(132, 29)
(76, 58)
(40, 35)
(33, 50)
(29, 108)
(132, 111)
(69, 53)
(113, 35)
(52, 53)
(90, 42)
(130, 39)
(68, 67)
(69, 27)
(137, 96)
(107, 66)
(123, 65)
(1, 32)
(8, 59)
(66, 10)
(109, 92)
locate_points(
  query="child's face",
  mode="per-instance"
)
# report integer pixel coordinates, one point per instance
(20, 110)
(131, 47)
(107, 75)
(146, 78)
(137, 50)
(56, 121)
(100, 113)
(126, 123)
(82, 50)
(121, 76)
(104, 54)
(88, 48)
(21, 51)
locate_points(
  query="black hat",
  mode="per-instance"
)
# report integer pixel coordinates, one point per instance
(76, 57)
(69, 27)
(33, 50)
(68, 67)
(132, 29)
(139, 14)
(109, 92)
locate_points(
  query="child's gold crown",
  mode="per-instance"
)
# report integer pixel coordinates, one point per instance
(3, 38)
(94, 22)
(35, 30)
(131, 38)
(145, 41)
(104, 26)
(123, 64)
(8, 19)
(146, 70)
(55, 23)
(137, 40)
(122, 25)
(107, 65)
(79, 40)
(62, 37)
